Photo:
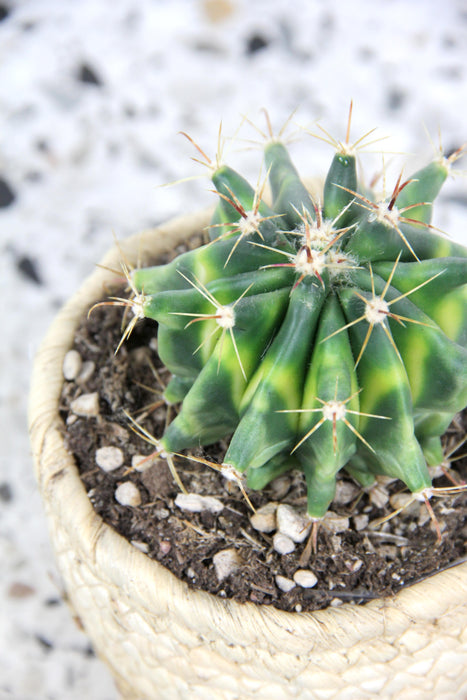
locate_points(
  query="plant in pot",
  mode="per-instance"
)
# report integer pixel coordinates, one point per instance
(310, 344)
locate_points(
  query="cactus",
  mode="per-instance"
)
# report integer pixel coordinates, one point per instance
(319, 336)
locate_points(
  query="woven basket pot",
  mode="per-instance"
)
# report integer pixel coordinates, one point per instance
(162, 639)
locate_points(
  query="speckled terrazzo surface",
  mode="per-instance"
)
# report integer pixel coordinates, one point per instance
(92, 97)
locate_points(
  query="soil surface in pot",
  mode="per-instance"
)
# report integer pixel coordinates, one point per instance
(220, 550)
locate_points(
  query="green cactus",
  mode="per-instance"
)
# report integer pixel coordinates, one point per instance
(315, 335)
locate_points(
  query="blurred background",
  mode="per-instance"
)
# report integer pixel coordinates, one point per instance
(93, 95)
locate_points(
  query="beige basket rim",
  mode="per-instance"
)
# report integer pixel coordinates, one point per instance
(148, 581)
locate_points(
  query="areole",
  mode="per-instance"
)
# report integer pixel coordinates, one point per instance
(164, 640)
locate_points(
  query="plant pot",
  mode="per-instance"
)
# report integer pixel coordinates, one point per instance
(162, 639)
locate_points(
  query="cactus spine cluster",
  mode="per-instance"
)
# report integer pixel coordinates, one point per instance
(317, 335)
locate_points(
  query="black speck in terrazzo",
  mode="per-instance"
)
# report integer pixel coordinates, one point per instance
(6, 493)
(87, 74)
(53, 602)
(396, 98)
(7, 194)
(89, 653)
(44, 643)
(4, 11)
(28, 268)
(255, 43)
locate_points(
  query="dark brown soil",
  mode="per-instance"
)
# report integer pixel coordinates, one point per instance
(353, 565)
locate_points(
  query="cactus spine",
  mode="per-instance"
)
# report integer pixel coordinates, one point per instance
(316, 335)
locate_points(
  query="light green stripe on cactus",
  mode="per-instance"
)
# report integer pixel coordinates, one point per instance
(263, 432)
(449, 313)
(211, 407)
(177, 389)
(178, 349)
(385, 392)
(175, 309)
(207, 263)
(444, 299)
(436, 366)
(331, 379)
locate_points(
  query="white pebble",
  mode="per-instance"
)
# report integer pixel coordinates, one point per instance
(282, 544)
(127, 494)
(336, 602)
(292, 524)
(86, 405)
(378, 495)
(285, 584)
(345, 492)
(142, 546)
(195, 503)
(72, 363)
(360, 521)
(280, 486)
(305, 578)
(141, 463)
(109, 458)
(403, 500)
(264, 520)
(226, 562)
(335, 523)
(87, 371)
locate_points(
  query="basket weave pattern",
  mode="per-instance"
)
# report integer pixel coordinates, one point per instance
(163, 640)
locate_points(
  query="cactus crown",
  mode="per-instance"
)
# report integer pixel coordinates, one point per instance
(318, 335)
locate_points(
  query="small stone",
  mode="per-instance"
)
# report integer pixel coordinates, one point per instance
(164, 547)
(360, 521)
(195, 503)
(86, 405)
(109, 458)
(141, 463)
(336, 602)
(305, 578)
(284, 584)
(292, 524)
(335, 523)
(354, 566)
(345, 492)
(264, 520)
(72, 363)
(226, 562)
(87, 370)
(283, 544)
(127, 494)
(142, 546)
(406, 502)
(379, 496)
(280, 487)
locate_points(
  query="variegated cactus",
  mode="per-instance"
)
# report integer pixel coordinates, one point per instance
(317, 336)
